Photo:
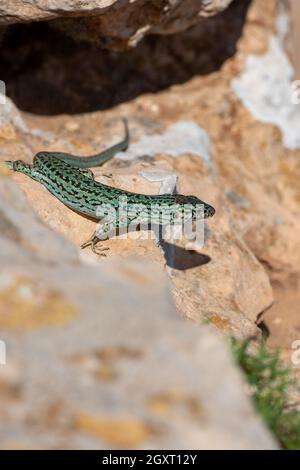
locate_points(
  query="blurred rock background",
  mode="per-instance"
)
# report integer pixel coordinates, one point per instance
(117, 352)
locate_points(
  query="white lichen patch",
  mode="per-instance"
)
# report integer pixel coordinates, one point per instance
(181, 138)
(266, 89)
(168, 179)
(10, 113)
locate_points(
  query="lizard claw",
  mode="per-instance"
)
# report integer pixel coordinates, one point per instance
(92, 242)
(85, 244)
(99, 250)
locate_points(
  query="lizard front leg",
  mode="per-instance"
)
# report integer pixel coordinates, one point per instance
(102, 232)
(141, 217)
(92, 242)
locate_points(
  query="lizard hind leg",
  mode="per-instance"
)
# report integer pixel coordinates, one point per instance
(87, 172)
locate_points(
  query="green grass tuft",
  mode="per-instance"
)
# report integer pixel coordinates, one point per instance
(269, 380)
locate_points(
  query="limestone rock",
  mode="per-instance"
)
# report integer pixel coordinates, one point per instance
(113, 23)
(122, 369)
(189, 131)
(188, 126)
(35, 10)
(220, 281)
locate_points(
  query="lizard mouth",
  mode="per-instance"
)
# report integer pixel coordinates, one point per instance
(205, 212)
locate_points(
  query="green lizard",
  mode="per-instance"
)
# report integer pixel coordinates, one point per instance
(68, 178)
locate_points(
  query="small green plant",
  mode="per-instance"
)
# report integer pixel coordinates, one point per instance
(269, 380)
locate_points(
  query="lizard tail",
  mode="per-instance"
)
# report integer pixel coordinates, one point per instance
(9, 164)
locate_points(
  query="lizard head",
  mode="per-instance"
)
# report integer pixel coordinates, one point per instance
(200, 209)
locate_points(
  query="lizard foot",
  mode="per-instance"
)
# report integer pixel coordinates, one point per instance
(92, 242)
(99, 250)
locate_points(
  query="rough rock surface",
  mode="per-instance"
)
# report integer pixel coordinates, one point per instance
(250, 166)
(221, 281)
(97, 356)
(223, 154)
(117, 24)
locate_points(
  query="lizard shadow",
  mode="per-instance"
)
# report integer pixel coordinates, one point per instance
(48, 73)
(181, 259)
